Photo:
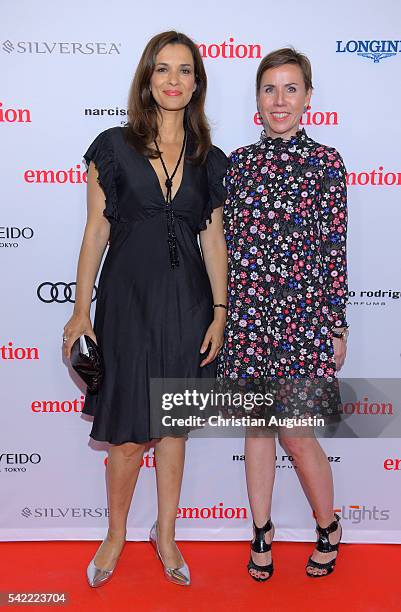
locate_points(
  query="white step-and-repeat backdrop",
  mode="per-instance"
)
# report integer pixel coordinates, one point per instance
(65, 73)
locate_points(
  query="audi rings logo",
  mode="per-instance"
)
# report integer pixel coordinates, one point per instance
(59, 292)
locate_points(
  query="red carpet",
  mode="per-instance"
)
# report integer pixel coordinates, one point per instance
(366, 579)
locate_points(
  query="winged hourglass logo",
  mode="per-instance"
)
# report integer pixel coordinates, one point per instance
(376, 57)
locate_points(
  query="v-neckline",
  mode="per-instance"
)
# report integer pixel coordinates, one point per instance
(157, 178)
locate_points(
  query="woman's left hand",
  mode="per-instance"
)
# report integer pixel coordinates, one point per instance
(340, 351)
(215, 337)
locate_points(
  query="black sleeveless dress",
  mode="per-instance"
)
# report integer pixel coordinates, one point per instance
(150, 317)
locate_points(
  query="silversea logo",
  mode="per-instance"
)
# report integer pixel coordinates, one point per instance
(61, 48)
(64, 512)
(375, 50)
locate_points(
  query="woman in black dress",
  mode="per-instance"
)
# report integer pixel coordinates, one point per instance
(286, 223)
(154, 186)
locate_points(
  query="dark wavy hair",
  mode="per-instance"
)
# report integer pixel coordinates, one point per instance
(142, 108)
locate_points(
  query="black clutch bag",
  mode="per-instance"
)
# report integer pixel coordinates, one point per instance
(87, 361)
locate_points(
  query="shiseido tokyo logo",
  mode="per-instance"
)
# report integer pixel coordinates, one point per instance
(12, 237)
(375, 50)
(18, 462)
(61, 48)
(59, 292)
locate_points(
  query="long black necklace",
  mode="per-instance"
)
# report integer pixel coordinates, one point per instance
(171, 237)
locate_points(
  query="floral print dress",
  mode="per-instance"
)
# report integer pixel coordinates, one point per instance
(285, 225)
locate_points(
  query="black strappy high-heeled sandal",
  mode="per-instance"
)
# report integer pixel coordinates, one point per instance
(258, 545)
(324, 545)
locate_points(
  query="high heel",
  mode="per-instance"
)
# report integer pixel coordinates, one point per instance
(177, 575)
(96, 576)
(259, 545)
(324, 545)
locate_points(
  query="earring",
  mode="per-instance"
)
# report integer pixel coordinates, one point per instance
(305, 108)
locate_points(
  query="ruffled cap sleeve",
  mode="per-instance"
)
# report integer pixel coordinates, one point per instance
(216, 167)
(101, 152)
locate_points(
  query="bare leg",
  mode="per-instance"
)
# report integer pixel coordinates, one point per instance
(169, 456)
(315, 476)
(260, 469)
(122, 473)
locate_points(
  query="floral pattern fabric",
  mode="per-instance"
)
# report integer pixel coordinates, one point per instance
(285, 226)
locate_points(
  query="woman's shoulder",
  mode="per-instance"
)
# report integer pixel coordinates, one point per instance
(326, 153)
(215, 153)
(246, 151)
(216, 160)
(113, 136)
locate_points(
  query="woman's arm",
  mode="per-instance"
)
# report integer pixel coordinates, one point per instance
(334, 248)
(215, 256)
(96, 236)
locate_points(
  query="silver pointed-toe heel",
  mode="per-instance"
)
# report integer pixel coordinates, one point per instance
(177, 575)
(98, 577)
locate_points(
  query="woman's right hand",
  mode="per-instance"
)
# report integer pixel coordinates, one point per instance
(75, 327)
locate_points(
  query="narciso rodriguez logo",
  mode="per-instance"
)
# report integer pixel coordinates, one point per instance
(375, 50)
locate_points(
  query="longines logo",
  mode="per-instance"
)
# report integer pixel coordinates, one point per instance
(230, 50)
(373, 297)
(12, 237)
(14, 115)
(57, 406)
(375, 50)
(52, 512)
(18, 462)
(59, 292)
(287, 461)
(356, 514)
(61, 48)
(72, 175)
(10, 352)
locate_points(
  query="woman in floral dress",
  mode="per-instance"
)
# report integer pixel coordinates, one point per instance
(286, 223)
